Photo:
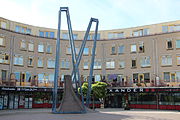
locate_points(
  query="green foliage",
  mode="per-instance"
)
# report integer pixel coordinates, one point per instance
(98, 89)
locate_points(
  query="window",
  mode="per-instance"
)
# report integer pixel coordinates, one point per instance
(18, 60)
(65, 36)
(41, 78)
(41, 34)
(141, 32)
(173, 77)
(18, 28)
(23, 45)
(177, 27)
(141, 47)
(75, 36)
(30, 61)
(166, 60)
(97, 78)
(85, 66)
(146, 77)
(51, 78)
(169, 44)
(31, 46)
(4, 58)
(113, 50)
(121, 64)
(3, 24)
(4, 75)
(22, 29)
(146, 31)
(177, 43)
(46, 34)
(65, 64)
(77, 50)
(51, 34)
(28, 31)
(40, 47)
(145, 61)
(135, 78)
(121, 49)
(133, 63)
(115, 35)
(51, 63)
(133, 48)
(110, 64)
(40, 62)
(2, 42)
(97, 64)
(86, 51)
(49, 48)
(178, 59)
(166, 76)
(68, 50)
(164, 29)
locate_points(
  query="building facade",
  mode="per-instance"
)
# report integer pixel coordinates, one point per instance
(144, 56)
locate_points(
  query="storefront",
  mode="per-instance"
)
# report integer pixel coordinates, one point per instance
(145, 98)
(26, 97)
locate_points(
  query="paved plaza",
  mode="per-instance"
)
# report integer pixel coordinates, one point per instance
(101, 114)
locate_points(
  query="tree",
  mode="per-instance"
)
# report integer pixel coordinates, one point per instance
(98, 90)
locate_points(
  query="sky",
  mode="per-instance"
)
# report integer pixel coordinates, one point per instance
(112, 14)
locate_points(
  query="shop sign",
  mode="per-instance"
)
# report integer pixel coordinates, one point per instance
(8, 89)
(125, 90)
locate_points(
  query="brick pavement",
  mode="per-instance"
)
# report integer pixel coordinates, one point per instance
(102, 114)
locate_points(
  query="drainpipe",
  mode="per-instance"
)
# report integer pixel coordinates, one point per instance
(11, 58)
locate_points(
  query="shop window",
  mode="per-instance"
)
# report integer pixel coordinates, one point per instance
(135, 78)
(169, 44)
(97, 64)
(166, 76)
(133, 48)
(86, 51)
(2, 41)
(166, 60)
(4, 75)
(145, 61)
(121, 49)
(110, 64)
(133, 62)
(86, 66)
(30, 61)
(51, 63)
(121, 64)
(49, 48)
(40, 62)
(18, 60)
(31, 46)
(4, 58)
(23, 45)
(141, 47)
(40, 47)
(177, 43)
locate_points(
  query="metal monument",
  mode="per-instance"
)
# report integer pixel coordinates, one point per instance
(71, 102)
